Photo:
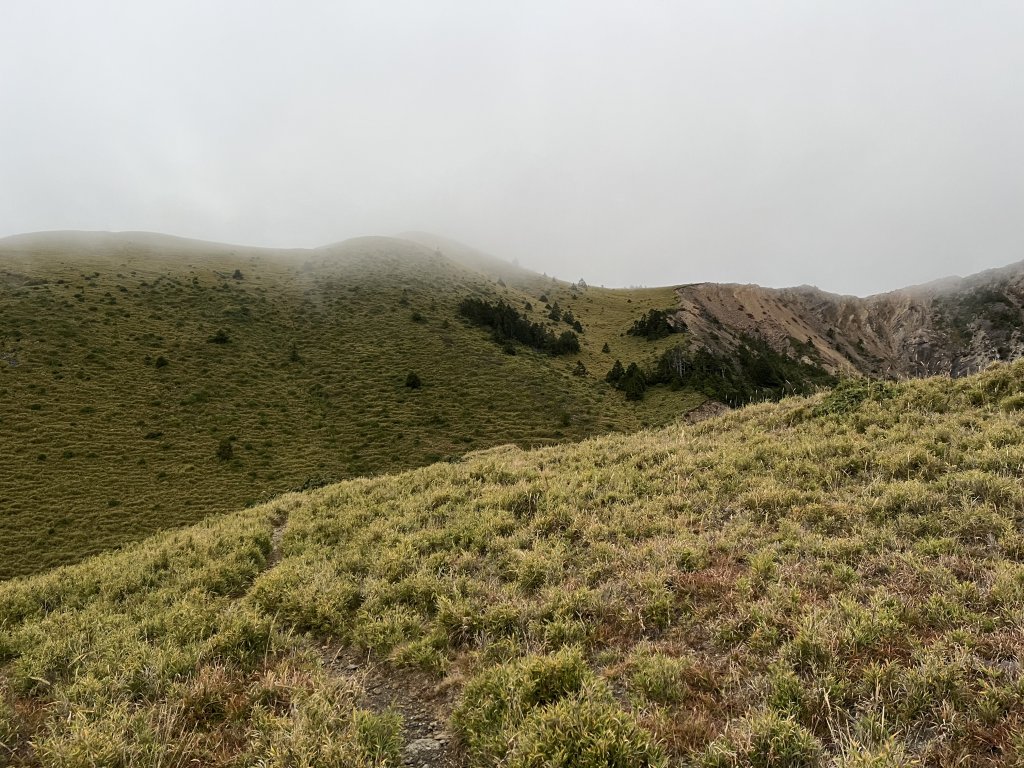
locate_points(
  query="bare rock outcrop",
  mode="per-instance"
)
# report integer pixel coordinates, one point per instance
(951, 327)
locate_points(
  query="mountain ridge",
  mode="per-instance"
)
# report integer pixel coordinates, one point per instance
(148, 380)
(951, 326)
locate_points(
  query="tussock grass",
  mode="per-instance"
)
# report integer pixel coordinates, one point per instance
(154, 656)
(143, 385)
(793, 584)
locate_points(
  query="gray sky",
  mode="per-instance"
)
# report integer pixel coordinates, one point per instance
(858, 145)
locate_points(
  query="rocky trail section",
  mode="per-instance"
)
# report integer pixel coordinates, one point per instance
(276, 540)
(422, 701)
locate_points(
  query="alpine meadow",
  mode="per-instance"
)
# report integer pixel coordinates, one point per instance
(534, 384)
(147, 381)
(395, 502)
(827, 581)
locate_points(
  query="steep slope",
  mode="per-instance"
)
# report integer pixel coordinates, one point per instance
(147, 381)
(834, 581)
(952, 327)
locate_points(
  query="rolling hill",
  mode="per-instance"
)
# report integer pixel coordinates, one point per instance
(827, 581)
(148, 381)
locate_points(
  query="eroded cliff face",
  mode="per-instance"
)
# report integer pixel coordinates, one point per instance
(952, 327)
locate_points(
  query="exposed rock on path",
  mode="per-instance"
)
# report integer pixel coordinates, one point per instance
(423, 702)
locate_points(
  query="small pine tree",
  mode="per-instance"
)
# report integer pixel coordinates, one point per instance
(566, 344)
(220, 337)
(614, 376)
(606, 349)
(225, 451)
(412, 381)
(580, 369)
(238, 275)
(633, 383)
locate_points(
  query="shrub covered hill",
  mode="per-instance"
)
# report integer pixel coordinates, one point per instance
(148, 381)
(827, 581)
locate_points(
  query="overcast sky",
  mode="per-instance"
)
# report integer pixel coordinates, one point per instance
(858, 145)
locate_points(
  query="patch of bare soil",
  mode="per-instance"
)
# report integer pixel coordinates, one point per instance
(423, 702)
(280, 522)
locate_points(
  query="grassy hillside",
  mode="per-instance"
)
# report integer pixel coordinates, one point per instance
(121, 415)
(833, 581)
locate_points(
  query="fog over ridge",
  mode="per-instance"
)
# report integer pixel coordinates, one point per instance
(860, 147)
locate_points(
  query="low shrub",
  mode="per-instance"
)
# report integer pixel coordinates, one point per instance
(497, 701)
(1012, 403)
(658, 678)
(765, 741)
(225, 450)
(583, 732)
(548, 711)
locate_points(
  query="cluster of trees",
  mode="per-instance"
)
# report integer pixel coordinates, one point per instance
(654, 325)
(753, 371)
(556, 314)
(508, 325)
(631, 380)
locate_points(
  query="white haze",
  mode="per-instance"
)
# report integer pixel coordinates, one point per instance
(859, 145)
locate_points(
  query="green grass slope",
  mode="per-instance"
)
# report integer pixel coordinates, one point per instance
(103, 443)
(830, 581)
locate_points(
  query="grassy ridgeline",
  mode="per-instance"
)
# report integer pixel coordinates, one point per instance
(147, 381)
(833, 581)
